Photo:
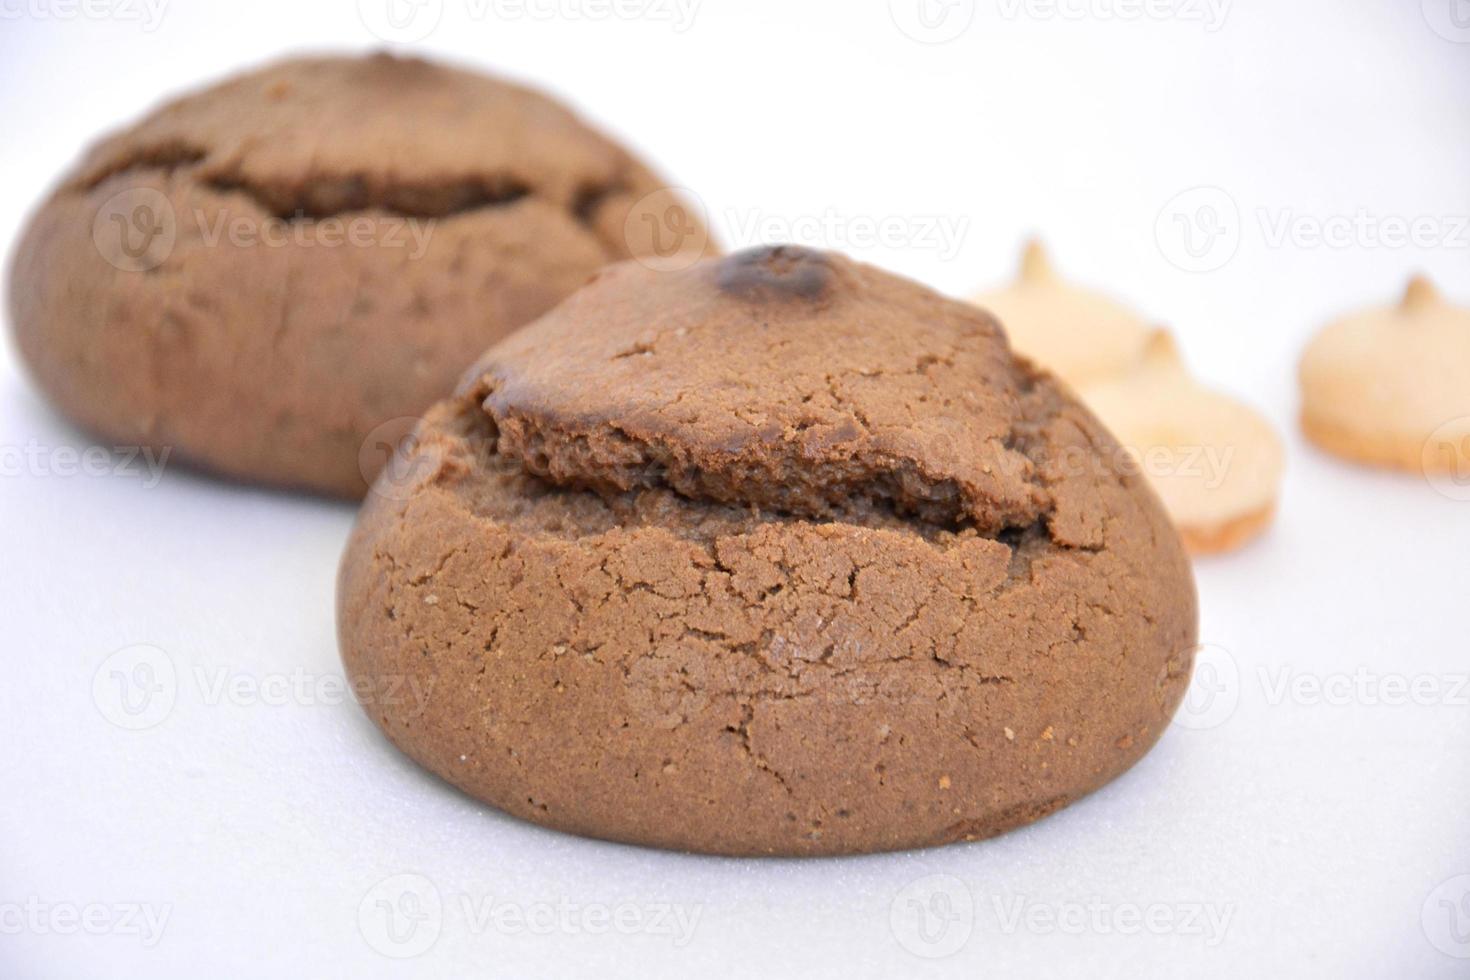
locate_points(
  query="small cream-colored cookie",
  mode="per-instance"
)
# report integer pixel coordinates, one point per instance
(1215, 462)
(1391, 386)
(1079, 335)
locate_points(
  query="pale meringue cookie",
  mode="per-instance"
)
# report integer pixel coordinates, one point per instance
(1390, 386)
(1215, 462)
(1079, 335)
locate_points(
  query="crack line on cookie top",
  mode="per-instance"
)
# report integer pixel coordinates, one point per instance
(475, 447)
(612, 460)
(322, 196)
(851, 466)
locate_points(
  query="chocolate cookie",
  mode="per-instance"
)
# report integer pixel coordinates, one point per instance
(779, 554)
(262, 274)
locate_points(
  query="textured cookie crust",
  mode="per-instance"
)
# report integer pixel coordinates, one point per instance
(777, 555)
(270, 352)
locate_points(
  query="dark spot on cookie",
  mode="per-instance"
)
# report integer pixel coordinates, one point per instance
(385, 66)
(776, 273)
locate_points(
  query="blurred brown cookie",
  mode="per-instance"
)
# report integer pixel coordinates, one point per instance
(262, 274)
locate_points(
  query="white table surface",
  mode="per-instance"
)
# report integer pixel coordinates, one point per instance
(1311, 821)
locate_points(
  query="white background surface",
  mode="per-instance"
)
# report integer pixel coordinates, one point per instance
(1321, 827)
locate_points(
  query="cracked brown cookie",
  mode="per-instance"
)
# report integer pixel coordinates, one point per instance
(780, 554)
(261, 274)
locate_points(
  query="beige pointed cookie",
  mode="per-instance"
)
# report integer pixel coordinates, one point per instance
(1079, 335)
(1390, 386)
(1215, 462)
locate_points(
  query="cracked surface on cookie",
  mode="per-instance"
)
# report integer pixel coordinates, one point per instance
(320, 137)
(259, 344)
(657, 645)
(812, 385)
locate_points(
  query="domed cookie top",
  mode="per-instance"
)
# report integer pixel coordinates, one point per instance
(1214, 461)
(780, 536)
(1081, 335)
(1391, 385)
(327, 135)
(270, 275)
